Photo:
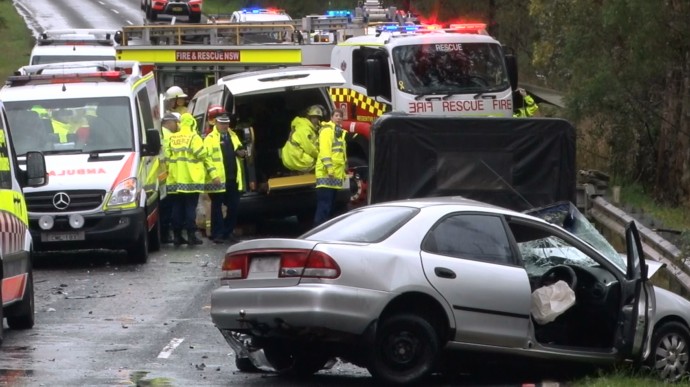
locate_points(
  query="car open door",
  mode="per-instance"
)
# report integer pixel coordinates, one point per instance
(637, 299)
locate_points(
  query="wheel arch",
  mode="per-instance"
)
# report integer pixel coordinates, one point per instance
(424, 305)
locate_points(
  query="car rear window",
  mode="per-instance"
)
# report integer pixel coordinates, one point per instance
(365, 225)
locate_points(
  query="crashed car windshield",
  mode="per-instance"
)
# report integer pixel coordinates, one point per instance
(566, 215)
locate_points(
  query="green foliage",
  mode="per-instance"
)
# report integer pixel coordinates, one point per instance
(16, 40)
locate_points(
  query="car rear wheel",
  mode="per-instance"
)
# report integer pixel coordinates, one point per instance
(195, 18)
(670, 352)
(21, 315)
(405, 350)
(291, 360)
(244, 364)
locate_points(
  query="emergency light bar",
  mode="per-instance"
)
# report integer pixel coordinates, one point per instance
(338, 12)
(470, 28)
(262, 10)
(38, 79)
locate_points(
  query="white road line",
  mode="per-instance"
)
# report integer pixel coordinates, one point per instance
(114, 10)
(129, 22)
(101, 3)
(167, 350)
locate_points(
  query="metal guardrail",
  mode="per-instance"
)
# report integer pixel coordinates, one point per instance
(655, 247)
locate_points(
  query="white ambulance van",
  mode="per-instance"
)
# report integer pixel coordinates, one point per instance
(70, 45)
(16, 246)
(265, 102)
(98, 125)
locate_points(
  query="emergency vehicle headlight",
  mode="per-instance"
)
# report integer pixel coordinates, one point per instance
(76, 221)
(124, 193)
(46, 222)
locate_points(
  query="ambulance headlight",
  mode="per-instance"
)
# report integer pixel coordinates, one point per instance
(124, 193)
(76, 221)
(46, 222)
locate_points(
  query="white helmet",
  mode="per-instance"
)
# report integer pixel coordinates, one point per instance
(175, 92)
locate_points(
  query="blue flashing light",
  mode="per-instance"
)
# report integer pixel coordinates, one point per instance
(338, 12)
(398, 28)
(252, 10)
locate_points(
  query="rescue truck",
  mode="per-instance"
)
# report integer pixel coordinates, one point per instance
(388, 66)
(16, 243)
(69, 45)
(98, 125)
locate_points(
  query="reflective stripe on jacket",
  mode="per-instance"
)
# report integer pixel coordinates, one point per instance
(301, 149)
(529, 108)
(188, 161)
(332, 160)
(212, 144)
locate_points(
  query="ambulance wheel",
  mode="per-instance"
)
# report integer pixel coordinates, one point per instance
(21, 315)
(139, 251)
(155, 237)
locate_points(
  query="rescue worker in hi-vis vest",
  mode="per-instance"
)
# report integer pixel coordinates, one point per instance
(188, 163)
(525, 105)
(169, 125)
(176, 100)
(61, 126)
(331, 166)
(227, 153)
(301, 149)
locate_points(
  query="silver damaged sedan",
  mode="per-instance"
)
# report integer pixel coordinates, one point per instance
(400, 286)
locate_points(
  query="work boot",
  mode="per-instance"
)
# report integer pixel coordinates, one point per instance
(178, 239)
(193, 239)
(165, 237)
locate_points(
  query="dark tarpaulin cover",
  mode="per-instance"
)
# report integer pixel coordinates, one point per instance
(517, 163)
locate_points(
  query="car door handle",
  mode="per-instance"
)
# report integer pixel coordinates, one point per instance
(444, 273)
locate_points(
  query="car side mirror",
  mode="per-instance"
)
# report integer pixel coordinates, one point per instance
(153, 143)
(36, 175)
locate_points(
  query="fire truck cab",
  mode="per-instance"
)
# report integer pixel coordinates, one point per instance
(97, 124)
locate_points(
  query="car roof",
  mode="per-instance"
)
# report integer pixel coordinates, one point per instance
(459, 201)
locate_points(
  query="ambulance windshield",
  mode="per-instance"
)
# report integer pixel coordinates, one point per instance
(450, 68)
(71, 125)
(46, 59)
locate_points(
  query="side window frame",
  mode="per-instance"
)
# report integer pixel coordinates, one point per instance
(430, 242)
(5, 164)
(144, 116)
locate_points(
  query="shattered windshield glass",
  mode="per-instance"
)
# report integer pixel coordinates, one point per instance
(55, 126)
(566, 215)
(450, 68)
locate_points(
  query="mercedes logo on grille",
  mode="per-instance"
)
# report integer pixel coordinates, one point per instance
(61, 200)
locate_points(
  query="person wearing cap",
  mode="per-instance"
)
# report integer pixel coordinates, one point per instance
(169, 125)
(188, 163)
(527, 107)
(301, 149)
(176, 100)
(331, 166)
(226, 152)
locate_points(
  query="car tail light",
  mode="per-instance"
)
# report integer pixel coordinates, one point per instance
(293, 263)
(235, 266)
(308, 264)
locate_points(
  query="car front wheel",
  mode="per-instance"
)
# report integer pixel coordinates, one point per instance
(670, 352)
(405, 350)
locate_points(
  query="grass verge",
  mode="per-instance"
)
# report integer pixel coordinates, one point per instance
(16, 41)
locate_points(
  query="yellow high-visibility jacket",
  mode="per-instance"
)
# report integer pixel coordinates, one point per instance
(331, 163)
(62, 129)
(212, 144)
(301, 149)
(528, 109)
(188, 161)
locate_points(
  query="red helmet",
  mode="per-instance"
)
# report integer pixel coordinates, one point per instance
(214, 110)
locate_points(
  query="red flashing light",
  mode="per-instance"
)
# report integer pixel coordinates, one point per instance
(108, 76)
(432, 27)
(468, 27)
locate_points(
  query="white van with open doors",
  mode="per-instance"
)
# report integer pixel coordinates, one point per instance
(265, 103)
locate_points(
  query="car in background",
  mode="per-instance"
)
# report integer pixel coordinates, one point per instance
(398, 287)
(190, 8)
(73, 45)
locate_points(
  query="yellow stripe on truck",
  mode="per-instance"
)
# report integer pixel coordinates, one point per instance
(213, 55)
(341, 94)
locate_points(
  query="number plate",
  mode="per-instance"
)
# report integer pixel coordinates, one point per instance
(62, 236)
(265, 265)
(177, 9)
